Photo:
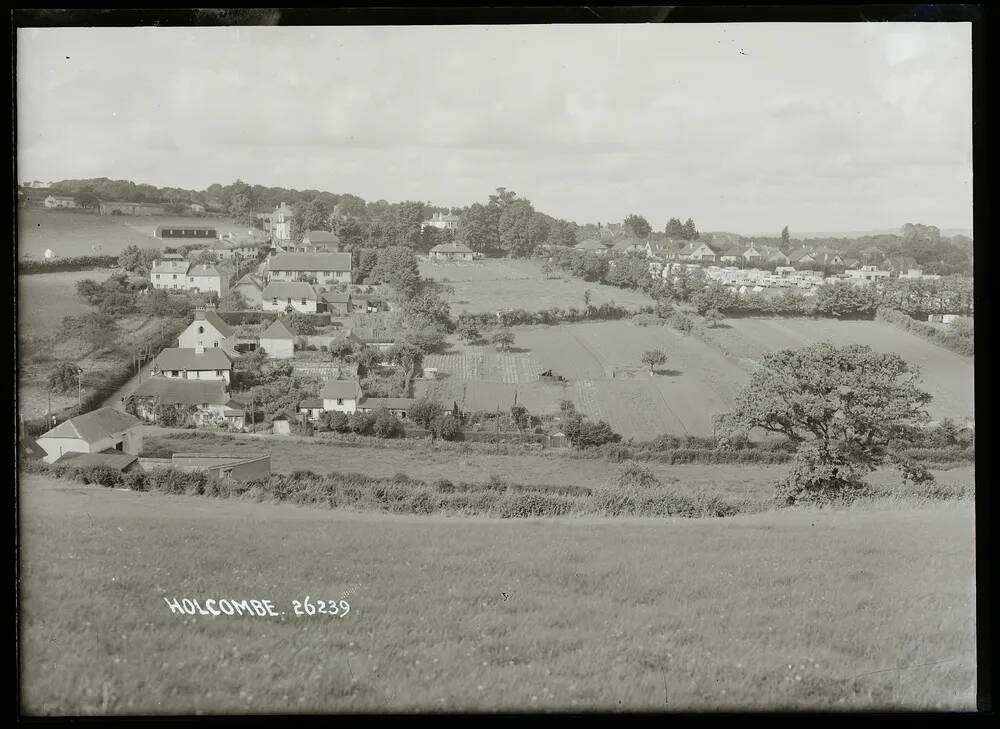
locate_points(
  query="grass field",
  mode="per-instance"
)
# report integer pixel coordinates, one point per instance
(70, 233)
(606, 380)
(797, 610)
(492, 284)
(429, 464)
(949, 377)
(44, 299)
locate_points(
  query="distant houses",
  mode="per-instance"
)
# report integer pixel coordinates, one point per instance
(104, 429)
(60, 201)
(593, 245)
(129, 208)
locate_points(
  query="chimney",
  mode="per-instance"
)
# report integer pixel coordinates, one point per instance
(199, 314)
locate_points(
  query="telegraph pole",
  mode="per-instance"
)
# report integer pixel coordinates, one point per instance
(79, 388)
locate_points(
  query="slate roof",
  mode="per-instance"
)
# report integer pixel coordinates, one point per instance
(799, 255)
(93, 426)
(310, 262)
(320, 236)
(334, 389)
(206, 269)
(311, 403)
(182, 358)
(290, 290)
(626, 244)
(116, 460)
(216, 321)
(172, 391)
(277, 330)
(252, 279)
(170, 266)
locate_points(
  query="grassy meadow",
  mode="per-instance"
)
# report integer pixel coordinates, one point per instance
(835, 610)
(492, 284)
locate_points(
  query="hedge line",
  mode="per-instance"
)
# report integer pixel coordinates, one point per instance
(948, 339)
(235, 318)
(76, 263)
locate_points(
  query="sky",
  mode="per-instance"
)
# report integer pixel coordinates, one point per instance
(742, 127)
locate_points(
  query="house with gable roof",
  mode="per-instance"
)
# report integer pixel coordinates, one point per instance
(207, 330)
(193, 364)
(104, 429)
(341, 395)
(278, 341)
(279, 295)
(451, 252)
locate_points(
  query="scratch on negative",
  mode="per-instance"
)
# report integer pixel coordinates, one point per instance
(905, 668)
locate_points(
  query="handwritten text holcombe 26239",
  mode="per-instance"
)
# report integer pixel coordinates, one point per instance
(256, 608)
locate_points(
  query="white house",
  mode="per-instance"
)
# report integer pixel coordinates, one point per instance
(866, 274)
(277, 341)
(324, 268)
(279, 295)
(441, 221)
(205, 277)
(281, 225)
(208, 330)
(60, 201)
(169, 274)
(99, 430)
(341, 396)
(193, 364)
(695, 251)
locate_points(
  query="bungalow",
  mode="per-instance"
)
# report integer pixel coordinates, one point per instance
(451, 252)
(398, 406)
(626, 245)
(196, 208)
(312, 408)
(658, 249)
(60, 201)
(337, 302)
(282, 295)
(193, 364)
(324, 268)
(251, 287)
(208, 330)
(99, 430)
(827, 257)
(206, 401)
(696, 251)
(867, 274)
(777, 257)
(277, 341)
(341, 395)
(593, 245)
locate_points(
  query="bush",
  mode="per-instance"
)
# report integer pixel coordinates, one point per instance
(449, 427)
(821, 478)
(387, 425)
(336, 421)
(135, 480)
(361, 423)
(102, 475)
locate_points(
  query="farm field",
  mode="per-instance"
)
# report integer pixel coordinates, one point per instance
(492, 284)
(948, 376)
(290, 454)
(605, 379)
(70, 233)
(835, 610)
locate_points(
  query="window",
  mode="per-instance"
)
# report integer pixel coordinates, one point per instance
(175, 373)
(340, 401)
(218, 373)
(201, 330)
(216, 343)
(274, 300)
(289, 300)
(175, 276)
(303, 301)
(157, 275)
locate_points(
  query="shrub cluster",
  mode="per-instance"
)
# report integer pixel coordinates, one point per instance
(958, 339)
